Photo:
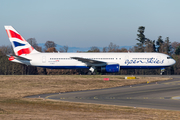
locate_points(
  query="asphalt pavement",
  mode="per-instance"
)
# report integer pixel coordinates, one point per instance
(158, 95)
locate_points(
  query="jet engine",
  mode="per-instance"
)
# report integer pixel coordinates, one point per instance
(109, 68)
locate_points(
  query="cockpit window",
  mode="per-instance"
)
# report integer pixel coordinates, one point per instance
(169, 57)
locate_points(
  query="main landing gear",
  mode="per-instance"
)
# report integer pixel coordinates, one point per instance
(91, 71)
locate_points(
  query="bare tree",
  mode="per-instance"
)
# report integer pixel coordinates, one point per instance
(113, 47)
(5, 67)
(122, 50)
(149, 46)
(38, 48)
(32, 42)
(174, 46)
(50, 44)
(105, 49)
(94, 49)
(165, 46)
(64, 49)
(6, 50)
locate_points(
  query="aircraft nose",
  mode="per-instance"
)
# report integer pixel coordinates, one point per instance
(173, 61)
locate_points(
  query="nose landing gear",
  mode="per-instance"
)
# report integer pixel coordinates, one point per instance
(162, 71)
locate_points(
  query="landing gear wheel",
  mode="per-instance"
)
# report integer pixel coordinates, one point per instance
(89, 73)
(93, 73)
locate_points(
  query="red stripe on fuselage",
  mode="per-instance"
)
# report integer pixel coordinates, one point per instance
(15, 35)
(25, 51)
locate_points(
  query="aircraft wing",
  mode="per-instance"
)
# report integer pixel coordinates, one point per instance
(90, 62)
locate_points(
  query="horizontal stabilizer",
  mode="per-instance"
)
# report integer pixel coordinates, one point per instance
(18, 57)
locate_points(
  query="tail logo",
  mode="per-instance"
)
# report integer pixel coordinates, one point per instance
(20, 45)
(16, 44)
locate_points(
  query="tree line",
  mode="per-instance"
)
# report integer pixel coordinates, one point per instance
(143, 44)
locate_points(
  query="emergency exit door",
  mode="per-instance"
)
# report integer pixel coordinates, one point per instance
(44, 59)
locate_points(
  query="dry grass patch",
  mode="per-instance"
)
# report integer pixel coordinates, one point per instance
(14, 106)
(41, 110)
(19, 86)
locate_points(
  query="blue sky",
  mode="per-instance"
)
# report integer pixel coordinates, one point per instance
(86, 23)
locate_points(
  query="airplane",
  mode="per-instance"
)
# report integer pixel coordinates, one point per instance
(102, 62)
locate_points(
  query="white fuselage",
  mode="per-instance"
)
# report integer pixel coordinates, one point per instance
(125, 60)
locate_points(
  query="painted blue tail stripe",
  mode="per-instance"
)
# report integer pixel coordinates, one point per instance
(16, 44)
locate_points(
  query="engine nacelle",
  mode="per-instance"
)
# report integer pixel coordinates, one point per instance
(109, 68)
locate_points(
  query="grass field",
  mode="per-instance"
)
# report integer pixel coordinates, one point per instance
(13, 105)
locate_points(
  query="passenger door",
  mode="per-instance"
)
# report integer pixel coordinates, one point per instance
(43, 59)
